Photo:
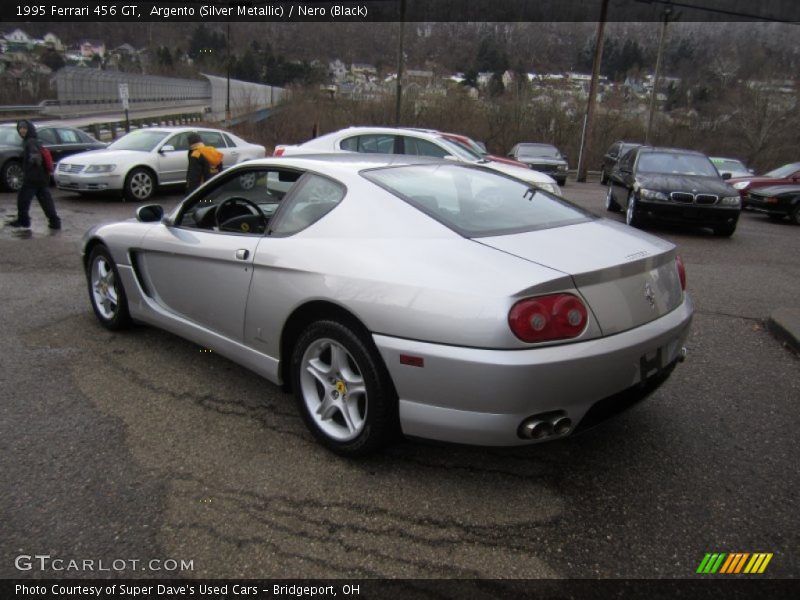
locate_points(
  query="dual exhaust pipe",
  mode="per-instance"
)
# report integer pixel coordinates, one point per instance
(541, 427)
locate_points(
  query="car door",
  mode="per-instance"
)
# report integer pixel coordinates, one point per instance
(621, 179)
(199, 270)
(173, 158)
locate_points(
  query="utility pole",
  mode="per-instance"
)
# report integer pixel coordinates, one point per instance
(400, 63)
(657, 76)
(228, 69)
(589, 121)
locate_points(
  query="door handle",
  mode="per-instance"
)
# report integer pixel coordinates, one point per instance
(242, 254)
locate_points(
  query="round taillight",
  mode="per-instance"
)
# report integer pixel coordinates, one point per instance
(548, 318)
(681, 271)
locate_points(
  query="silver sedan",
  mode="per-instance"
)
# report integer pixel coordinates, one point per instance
(398, 294)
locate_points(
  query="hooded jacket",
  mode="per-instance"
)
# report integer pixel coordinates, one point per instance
(33, 168)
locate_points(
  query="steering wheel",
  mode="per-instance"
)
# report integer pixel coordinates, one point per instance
(252, 209)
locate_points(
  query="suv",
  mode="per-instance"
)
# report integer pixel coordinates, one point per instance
(672, 185)
(616, 151)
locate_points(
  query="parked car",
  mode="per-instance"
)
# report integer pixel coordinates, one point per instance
(616, 151)
(141, 161)
(788, 174)
(778, 201)
(61, 141)
(416, 142)
(544, 158)
(441, 299)
(730, 167)
(480, 149)
(672, 185)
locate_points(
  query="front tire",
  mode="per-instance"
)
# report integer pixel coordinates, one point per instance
(633, 216)
(106, 292)
(12, 175)
(796, 216)
(562, 182)
(343, 390)
(140, 185)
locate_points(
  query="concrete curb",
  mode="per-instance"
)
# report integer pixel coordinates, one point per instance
(784, 324)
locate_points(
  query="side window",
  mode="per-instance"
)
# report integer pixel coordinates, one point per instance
(369, 144)
(69, 136)
(243, 202)
(48, 136)
(180, 141)
(229, 140)
(212, 138)
(419, 147)
(627, 160)
(314, 199)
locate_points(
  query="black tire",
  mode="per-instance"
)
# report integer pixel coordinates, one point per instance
(112, 314)
(633, 216)
(140, 185)
(611, 204)
(796, 216)
(775, 217)
(376, 419)
(11, 175)
(562, 182)
(603, 176)
(725, 230)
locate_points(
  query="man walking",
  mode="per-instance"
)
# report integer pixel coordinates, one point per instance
(35, 181)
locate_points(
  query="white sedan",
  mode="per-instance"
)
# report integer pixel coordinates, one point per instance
(414, 142)
(141, 161)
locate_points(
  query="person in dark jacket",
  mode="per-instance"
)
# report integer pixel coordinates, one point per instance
(204, 162)
(35, 181)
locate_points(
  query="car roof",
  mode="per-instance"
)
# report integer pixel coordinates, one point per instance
(668, 150)
(352, 161)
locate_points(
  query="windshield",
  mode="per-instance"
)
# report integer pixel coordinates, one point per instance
(474, 201)
(10, 137)
(784, 171)
(729, 164)
(538, 150)
(469, 145)
(675, 164)
(143, 140)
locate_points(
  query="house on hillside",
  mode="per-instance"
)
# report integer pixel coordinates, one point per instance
(18, 41)
(92, 48)
(51, 40)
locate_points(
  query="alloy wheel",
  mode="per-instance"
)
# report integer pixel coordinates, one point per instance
(104, 290)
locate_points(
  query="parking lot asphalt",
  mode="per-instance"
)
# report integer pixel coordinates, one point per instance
(138, 445)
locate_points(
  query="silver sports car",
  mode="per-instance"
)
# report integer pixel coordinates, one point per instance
(404, 294)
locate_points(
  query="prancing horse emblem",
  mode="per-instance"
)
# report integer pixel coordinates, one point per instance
(648, 293)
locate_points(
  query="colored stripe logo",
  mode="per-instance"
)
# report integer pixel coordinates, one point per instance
(734, 563)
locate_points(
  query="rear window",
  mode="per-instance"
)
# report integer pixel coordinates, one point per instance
(474, 201)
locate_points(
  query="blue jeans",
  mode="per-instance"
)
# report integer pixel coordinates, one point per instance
(42, 193)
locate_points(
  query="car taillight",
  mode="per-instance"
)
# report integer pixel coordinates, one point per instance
(681, 271)
(547, 318)
(279, 150)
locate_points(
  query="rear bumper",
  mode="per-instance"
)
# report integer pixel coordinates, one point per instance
(478, 396)
(688, 213)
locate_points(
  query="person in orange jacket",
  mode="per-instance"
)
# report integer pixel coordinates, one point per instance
(204, 162)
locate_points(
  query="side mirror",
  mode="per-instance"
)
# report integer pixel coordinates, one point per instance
(150, 213)
(167, 148)
(726, 176)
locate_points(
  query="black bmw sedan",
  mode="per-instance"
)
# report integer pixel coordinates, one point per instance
(669, 184)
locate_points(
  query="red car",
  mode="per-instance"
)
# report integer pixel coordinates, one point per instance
(785, 175)
(480, 149)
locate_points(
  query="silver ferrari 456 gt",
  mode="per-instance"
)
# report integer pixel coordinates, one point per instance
(400, 294)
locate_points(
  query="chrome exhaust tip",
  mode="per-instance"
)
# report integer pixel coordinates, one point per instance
(682, 354)
(562, 425)
(536, 430)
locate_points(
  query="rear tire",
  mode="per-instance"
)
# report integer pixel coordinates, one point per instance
(796, 216)
(343, 390)
(611, 204)
(106, 291)
(12, 175)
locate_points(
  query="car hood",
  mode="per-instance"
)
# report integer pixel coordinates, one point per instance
(104, 156)
(664, 182)
(519, 172)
